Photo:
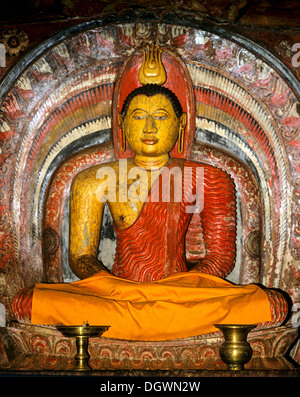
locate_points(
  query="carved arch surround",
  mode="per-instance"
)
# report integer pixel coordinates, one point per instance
(247, 123)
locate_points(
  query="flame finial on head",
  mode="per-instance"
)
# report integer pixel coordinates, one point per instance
(152, 70)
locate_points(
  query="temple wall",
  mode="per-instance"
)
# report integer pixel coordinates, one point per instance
(56, 109)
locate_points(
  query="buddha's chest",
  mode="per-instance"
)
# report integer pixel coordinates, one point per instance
(130, 199)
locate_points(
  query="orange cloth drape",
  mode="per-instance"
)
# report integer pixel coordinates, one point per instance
(181, 305)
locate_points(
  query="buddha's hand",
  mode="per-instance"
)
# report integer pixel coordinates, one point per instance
(86, 266)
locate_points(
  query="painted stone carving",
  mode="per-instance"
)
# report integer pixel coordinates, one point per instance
(151, 230)
(35, 138)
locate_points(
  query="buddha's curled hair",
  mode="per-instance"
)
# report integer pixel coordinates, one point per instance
(150, 90)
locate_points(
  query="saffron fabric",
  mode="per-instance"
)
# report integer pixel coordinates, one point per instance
(178, 306)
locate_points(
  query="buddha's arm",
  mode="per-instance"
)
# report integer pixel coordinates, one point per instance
(85, 224)
(219, 223)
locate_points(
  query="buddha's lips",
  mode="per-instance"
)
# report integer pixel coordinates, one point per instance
(150, 141)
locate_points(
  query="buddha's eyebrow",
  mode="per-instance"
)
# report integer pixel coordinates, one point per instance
(138, 109)
(161, 110)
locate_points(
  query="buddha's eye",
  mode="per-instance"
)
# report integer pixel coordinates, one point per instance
(160, 115)
(138, 115)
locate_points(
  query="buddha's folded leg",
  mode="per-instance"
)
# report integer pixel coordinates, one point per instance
(22, 306)
(279, 309)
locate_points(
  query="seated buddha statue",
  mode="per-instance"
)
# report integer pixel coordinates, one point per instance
(150, 292)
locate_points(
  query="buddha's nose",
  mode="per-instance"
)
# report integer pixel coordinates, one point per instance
(150, 126)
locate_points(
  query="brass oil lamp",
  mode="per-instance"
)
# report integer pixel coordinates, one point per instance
(235, 351)
(82, 333)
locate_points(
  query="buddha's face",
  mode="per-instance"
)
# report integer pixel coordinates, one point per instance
(150, 125)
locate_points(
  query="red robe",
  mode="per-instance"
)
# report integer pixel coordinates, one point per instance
(154, 246)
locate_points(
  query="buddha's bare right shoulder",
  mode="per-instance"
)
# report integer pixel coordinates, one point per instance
(91, 175)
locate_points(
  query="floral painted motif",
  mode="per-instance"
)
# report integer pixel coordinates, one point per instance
(15, 41)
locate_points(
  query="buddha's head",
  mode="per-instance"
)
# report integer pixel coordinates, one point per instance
(152, 120)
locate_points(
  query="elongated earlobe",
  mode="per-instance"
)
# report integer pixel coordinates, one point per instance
(182, 125)
(180, 141)
(122, 133)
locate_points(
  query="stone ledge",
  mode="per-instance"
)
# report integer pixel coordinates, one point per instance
(295, 373)
(30, 348)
